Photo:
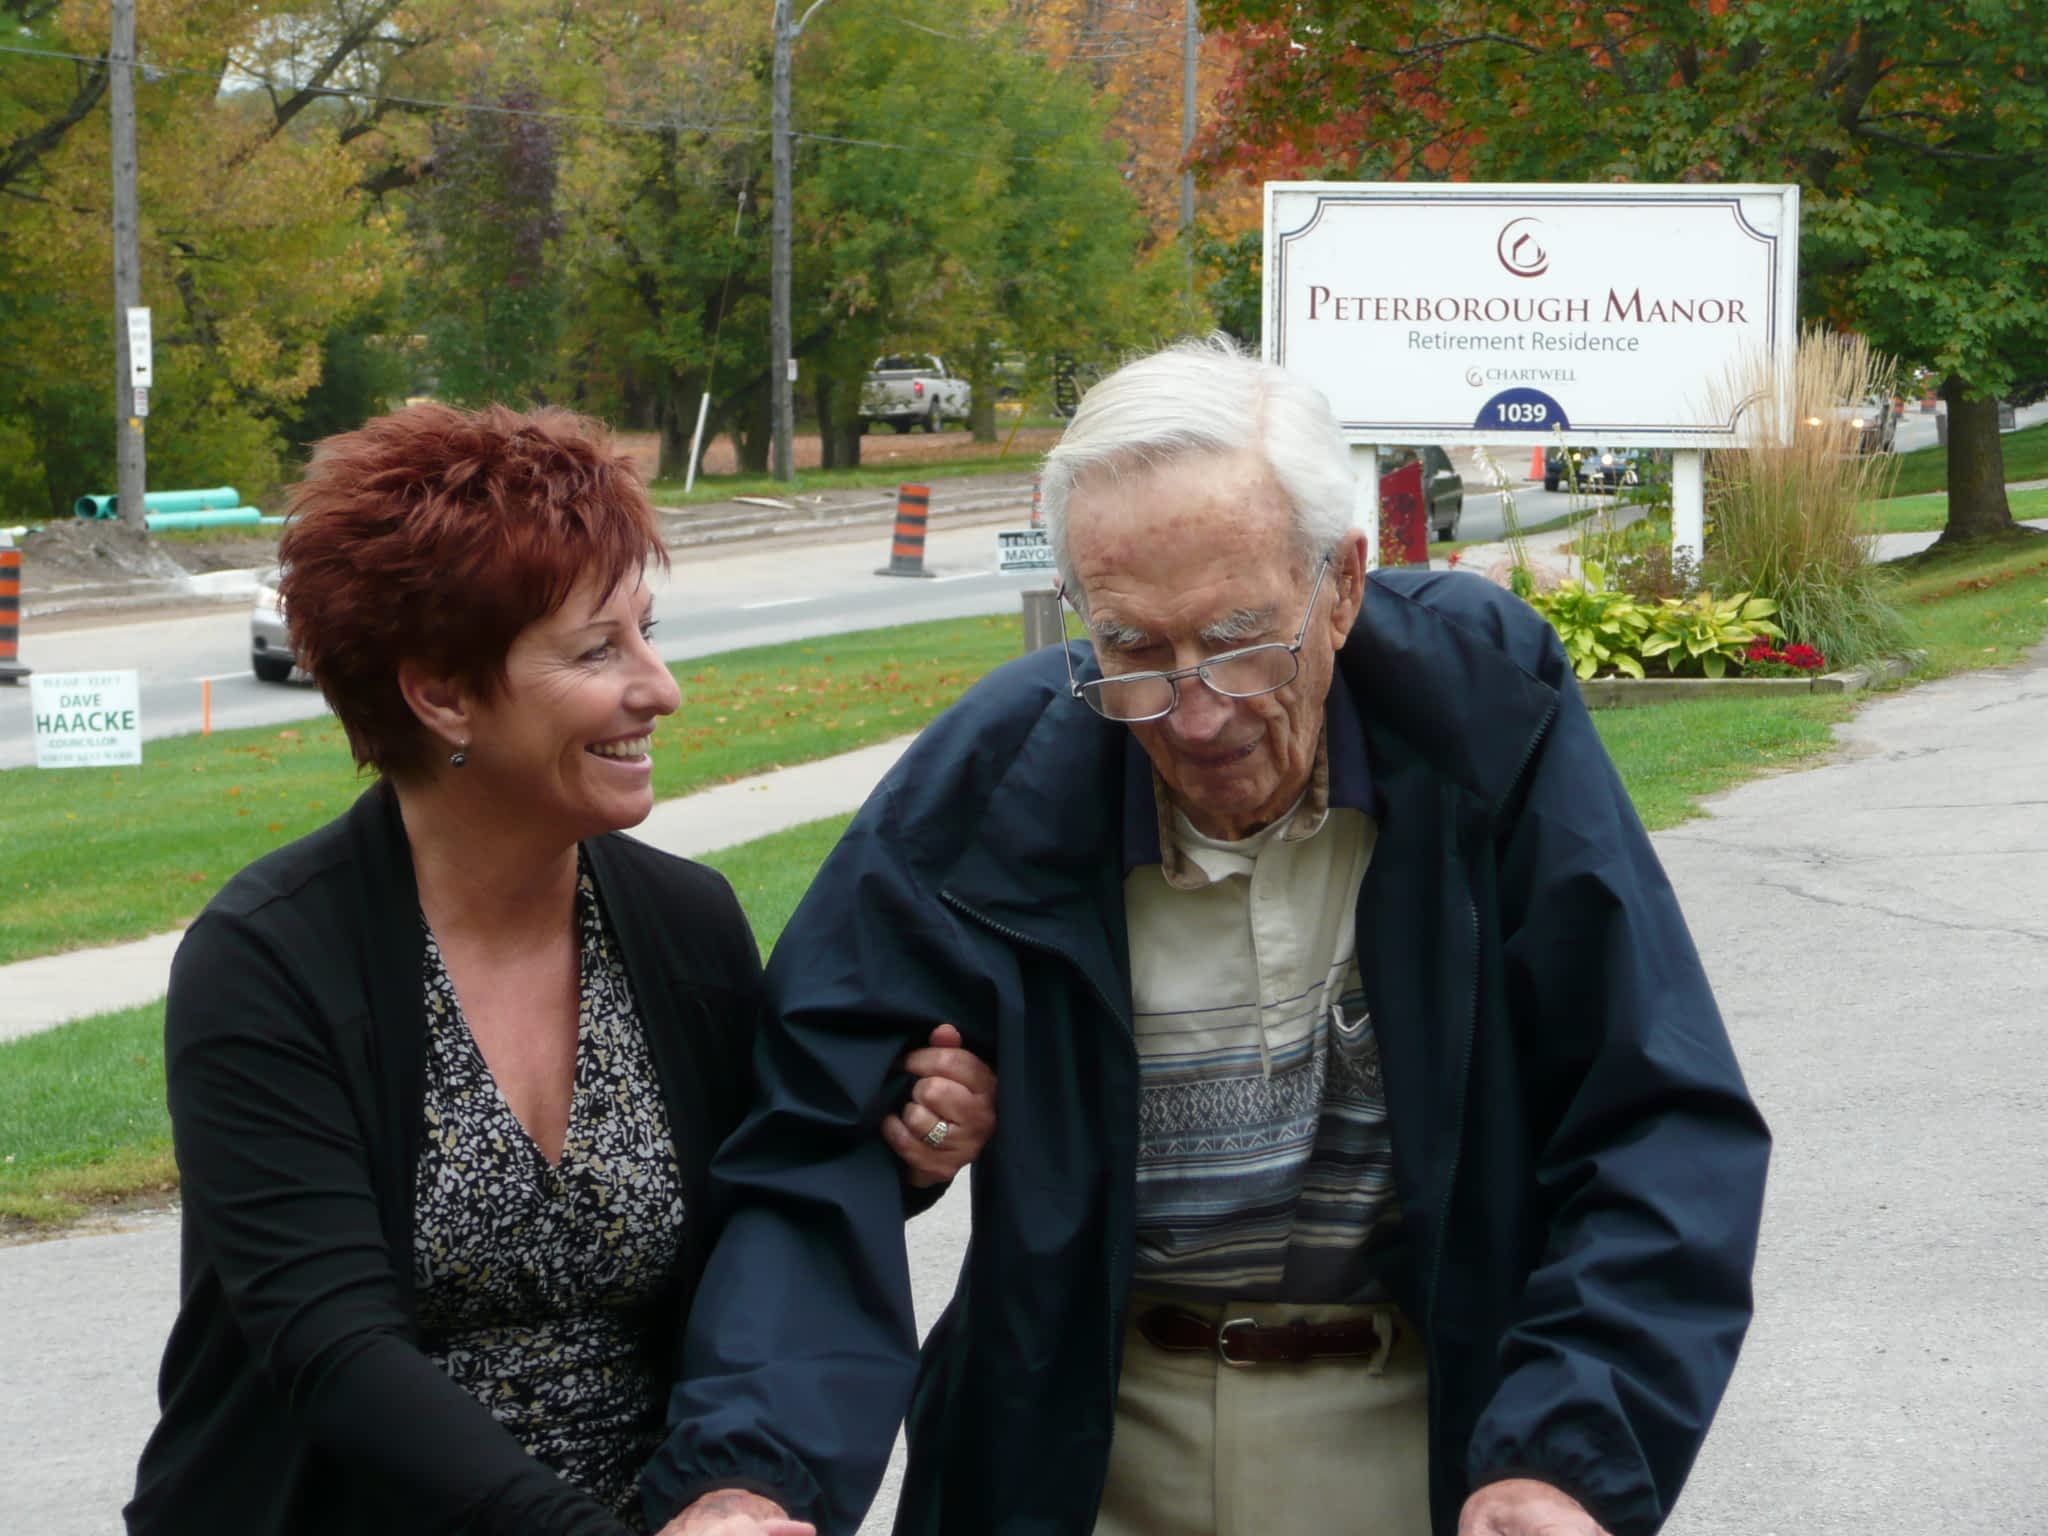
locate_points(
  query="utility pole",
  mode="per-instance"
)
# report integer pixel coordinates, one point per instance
(781, 396)
(129, 477)
(1190, 46)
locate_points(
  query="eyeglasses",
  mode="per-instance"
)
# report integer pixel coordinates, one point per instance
(1139, 696)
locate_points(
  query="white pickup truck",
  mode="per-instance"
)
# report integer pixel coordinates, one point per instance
(913, 390)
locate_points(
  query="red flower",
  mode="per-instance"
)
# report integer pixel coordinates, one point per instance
(1804, 657)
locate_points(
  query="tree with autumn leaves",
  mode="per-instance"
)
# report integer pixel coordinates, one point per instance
(1917, 132)
(344, 201)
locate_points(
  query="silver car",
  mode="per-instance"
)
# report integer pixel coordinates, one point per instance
(270, 647)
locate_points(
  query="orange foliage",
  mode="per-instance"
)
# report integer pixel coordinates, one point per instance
(1131, 52)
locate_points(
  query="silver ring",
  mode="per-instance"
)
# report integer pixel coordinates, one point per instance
(936, 1136)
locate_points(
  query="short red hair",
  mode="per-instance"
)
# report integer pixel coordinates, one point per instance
(435, 535)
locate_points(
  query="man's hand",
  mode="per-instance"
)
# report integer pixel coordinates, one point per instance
(734, 1512)
(953, 1085)
(1521, 1506)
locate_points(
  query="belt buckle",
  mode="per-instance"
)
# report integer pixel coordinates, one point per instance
(1223, 1342)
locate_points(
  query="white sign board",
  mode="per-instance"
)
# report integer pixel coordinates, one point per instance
(1023, 549)
(140, 372)
(86, 719)
(1615, 315)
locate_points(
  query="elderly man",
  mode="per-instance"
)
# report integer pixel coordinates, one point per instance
(1372, 1157)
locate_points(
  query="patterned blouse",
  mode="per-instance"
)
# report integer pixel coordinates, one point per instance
(533, 1280)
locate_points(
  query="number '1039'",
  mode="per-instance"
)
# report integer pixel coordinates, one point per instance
(1521, 410)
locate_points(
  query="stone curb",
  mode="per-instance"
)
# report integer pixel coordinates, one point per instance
(1630, 692)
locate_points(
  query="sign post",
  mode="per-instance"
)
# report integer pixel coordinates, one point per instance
(1611, 316)
(86, 719)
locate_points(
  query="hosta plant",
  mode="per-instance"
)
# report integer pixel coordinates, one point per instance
(1601, 628)
(1708, 632)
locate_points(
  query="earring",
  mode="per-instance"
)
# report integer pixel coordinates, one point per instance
(459, 757)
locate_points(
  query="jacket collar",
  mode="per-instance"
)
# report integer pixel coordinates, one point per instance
(1421, 697)
(1432, 684)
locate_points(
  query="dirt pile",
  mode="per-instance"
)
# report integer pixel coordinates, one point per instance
(74, 552)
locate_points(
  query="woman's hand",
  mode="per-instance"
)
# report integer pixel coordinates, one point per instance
(734, 1512)
(954, 1086)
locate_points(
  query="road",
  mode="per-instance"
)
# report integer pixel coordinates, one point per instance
(765, 594)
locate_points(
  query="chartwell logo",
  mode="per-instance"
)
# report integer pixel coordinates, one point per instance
(1520, 248)
(1475, 378)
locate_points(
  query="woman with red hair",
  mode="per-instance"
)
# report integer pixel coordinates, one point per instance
(446, 1076)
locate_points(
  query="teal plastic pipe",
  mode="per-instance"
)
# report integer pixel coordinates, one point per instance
(215, 517)
(220, 497)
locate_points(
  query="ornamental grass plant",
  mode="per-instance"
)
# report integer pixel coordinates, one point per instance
(1785, 511)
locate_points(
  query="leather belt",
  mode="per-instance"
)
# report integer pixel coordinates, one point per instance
(1244, 1341)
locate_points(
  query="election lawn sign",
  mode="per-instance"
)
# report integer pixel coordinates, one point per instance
(1023, 549)
(86, 719)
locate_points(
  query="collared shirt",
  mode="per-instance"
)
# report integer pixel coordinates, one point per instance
(1264, 1160)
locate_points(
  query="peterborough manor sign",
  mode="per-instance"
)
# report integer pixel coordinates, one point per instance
(1596, 315)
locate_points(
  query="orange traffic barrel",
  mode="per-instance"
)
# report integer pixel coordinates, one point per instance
(11, 669)
(906, 548)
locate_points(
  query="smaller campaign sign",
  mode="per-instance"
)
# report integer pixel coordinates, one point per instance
(1023, 549)
(86, 719)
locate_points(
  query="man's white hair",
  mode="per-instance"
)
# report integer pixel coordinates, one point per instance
(1199, 397)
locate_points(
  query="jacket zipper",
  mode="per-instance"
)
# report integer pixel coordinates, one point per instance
(1116, 1306)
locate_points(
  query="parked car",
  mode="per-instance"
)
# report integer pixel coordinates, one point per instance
(1442, 486)
(1873, 423)
(270, 646)
(1601, 470)
(913, 389)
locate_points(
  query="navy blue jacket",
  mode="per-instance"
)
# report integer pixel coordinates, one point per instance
(1580, 1168)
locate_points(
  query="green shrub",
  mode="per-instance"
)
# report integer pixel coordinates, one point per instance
(1707, 632)
(1601, 628)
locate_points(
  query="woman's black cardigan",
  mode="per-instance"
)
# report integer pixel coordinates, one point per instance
(295, 1399)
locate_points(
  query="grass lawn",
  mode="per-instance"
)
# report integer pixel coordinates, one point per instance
(82, 1115)
(1671, 754)
(1929, 513)
(96, 855)
(82, 1118)
(1982, 606)
(1926, 469)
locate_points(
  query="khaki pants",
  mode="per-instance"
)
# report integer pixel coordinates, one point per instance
(1207, 1449)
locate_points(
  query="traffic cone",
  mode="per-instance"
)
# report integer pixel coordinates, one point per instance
(1535, 463)
(11, 669)
(906, 549)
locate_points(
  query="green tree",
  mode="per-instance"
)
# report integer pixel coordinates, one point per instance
(253, 246)
(487, 294)
(1919, 134)
(958, 195)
